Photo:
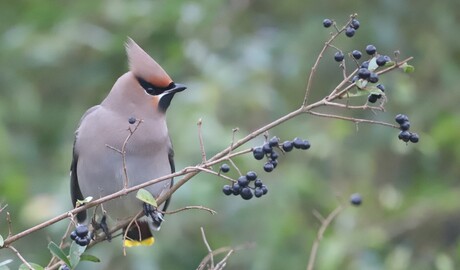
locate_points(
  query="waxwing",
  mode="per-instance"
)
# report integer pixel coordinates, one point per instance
(139, 97)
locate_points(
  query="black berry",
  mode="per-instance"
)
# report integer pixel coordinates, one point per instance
(372, 98)
(405, 126)
(350, 32)
(73, 235)
(258, 192)
(82, 241)
(327, 23)
(381, 87)
(381, 61)
(401, 118)
(264, 189)
(243, 181)
(356, 54)
(225, 168)
(246, 193)
(338, 56)
(251, 176)
(258, 183)
(64, 267)
(373, 78)
(274, 155)
(365, 64)
(258, 153)
(267, 148)
(268, 167)
(287, 146)
(227, 190)
(355, 24)
(236, 189)
(364, 73)
(297, 142)
(356, 199)
(274, 141)
(81, 231)
(404, 135)
(355, 78)
(305, 145)
(132, 120)
(371, 50)
(414, 138)
(274, 162)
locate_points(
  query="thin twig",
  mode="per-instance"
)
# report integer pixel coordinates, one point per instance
(220, 265)
(351, 119)
(208, 247)
(21, 258)
(324, 224)
(3, 208)
(8, 220)
(190, 207)
(315, 66)
(200, 138)
(125, 235)
(217, 174)
(223, 250)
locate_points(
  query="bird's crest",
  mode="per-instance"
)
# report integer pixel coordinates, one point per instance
(144, 67)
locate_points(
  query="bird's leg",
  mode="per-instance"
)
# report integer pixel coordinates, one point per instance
(151, 211)
(102, 225)
(105, 228)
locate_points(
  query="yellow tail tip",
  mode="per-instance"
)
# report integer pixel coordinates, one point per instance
(133, 243)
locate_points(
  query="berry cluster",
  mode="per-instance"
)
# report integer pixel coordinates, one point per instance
(267, 150)
(404, 125)
(366, 71)
(244, 188)
(349, 31)
(81, 235)
(249, 185)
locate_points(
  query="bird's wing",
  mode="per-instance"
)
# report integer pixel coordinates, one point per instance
(75, 191)
(173, 169)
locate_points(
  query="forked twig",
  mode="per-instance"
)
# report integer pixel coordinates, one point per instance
(324, 224)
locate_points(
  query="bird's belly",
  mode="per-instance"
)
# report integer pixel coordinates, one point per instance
(108, 177)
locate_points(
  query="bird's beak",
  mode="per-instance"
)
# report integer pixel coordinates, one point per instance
(177, 88)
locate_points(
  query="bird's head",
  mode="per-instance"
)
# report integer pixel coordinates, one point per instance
(151, 76)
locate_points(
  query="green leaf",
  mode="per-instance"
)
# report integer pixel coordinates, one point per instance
(1, 241)
(146, 197)
(407, 68)
(75, 253)
(373, 64)
(4, 263)
(86, 200)
(389, 64)
(56, 251)
(89, 258)
(361, 84)
(34, 266)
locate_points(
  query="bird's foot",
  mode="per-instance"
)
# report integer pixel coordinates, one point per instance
(152, 212)
(103, 226)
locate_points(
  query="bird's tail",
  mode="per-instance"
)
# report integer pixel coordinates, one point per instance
(138, 234)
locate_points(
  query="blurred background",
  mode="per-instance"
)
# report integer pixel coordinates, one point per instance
(246, 64)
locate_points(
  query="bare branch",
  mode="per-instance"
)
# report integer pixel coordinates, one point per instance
(200, 138)
(324, 224)
(190, 207)
(208, 247)
(21, 258)
(351, 119)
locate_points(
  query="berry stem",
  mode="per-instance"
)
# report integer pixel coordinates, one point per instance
(320, 56)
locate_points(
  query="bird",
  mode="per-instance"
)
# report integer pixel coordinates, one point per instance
(137, 103)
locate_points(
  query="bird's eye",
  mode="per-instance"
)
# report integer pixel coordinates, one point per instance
(152, 89)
